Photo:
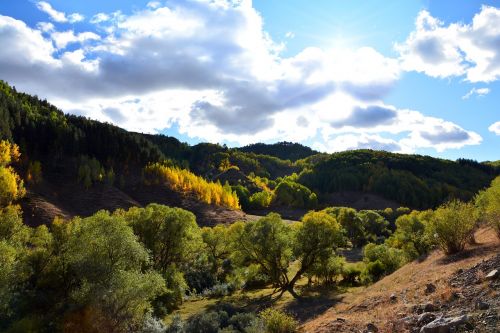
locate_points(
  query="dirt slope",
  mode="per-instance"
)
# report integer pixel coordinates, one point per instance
(66, 199)
(444, 286)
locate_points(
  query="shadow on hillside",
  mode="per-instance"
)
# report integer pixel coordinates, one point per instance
(311, 306)
(471, 252)
(312, 303)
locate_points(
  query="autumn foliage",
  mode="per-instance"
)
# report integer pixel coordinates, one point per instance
(185, 181)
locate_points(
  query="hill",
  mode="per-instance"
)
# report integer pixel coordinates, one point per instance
(421, 291)
(282, 150)
(102, 165)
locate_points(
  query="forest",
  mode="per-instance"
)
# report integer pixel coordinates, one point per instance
(282, 174)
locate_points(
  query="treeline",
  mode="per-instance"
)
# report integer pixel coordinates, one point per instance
(45, 133)
(60, 142)
(282, 150)
(411, 180)
(183, 180)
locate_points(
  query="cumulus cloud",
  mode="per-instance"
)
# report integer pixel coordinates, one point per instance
(99, 17)
(457, 49)
(58, 16)
(367, 117)
(62, 39)
(479, 92)
(210, 68)
(360, 141)
(495, 128)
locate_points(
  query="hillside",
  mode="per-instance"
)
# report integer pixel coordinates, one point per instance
(282, 150)
(421, 291)
(285, 177)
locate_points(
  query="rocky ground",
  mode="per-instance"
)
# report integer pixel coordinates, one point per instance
(472, 305)
(439, 294)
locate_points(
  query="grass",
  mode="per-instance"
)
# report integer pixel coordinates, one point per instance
(313, 299)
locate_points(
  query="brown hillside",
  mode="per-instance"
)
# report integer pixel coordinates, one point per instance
(358, 200)
(67, 199)
(397, 302)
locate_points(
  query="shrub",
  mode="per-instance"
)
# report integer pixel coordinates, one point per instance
(452, 225)
(242, 320)
(208, 322)
(276, 321)
(328, 270)
(488, 202)
(177, 325)
(381, 260)
(295, 195)
(261, 199)
(410, 235)
(351, 273)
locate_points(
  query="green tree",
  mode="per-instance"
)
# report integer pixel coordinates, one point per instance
(352, 224)
(217, 245)
(266, 242)
(411, 236)
(174, 241)
(488, 203)
(381, 260)
(375, 225)
(452, 225)
(317, 237)
(170, 234)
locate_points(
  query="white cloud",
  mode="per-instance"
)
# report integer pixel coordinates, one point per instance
(100, 17)
(154, 4)
(479, 92)
(360, 141)
(495, 128)
(45, 26)
(75, 17)
(456, 49)
(58, 16)
(210, 68)
(62, 39)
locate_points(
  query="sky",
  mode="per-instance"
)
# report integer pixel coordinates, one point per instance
(413, 76)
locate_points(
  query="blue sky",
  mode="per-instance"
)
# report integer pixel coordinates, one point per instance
(405, 76)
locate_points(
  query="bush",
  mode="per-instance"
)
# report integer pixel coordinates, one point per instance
(242, 320)
(453, 225)
(381, 260)
(276, 321)
(328, 270)
(295, 195)
(261, 200)
(410, 235)
(219, 290)
(488, 202)
(351, 273)
(208, 322)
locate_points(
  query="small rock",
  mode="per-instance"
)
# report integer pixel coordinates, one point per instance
(342, 320)
(430, 288)
(482, 305)
(494, 274)
(430, 307)
(460, 271)
(443, 325)
(393, 298)
(425, 318)
(371, 328)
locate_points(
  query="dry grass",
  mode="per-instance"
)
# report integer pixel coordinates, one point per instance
(372, 304)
